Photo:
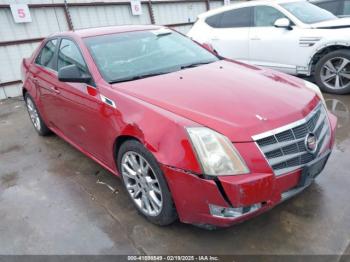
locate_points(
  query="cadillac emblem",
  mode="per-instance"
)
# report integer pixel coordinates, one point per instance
(311, 143)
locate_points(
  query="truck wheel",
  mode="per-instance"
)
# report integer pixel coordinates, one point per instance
(332, 72)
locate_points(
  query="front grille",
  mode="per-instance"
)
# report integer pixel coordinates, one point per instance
(285, 149)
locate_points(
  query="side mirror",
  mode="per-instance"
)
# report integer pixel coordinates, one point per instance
(209, 47)
(283, 23)
(72, 73)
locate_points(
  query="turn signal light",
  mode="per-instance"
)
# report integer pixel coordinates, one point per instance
(233, 212)
(92, 91)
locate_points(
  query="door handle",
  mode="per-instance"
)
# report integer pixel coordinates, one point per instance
(255, 38)
(55, 89)
(215, 38)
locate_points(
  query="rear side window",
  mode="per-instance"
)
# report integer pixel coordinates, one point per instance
(241, 17)
(46, 56)
(266, 16)
(69, 54)
(214, 21)
(346, 8)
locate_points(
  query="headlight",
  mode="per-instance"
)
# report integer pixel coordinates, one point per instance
(314, 88)
(216, 153)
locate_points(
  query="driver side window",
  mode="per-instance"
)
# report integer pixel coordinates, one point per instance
(266, 16)
(69, 54)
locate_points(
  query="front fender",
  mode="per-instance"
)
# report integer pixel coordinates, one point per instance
(161, 132)
(322, 47)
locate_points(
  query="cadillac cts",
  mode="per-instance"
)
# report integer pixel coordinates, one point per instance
(193, 136)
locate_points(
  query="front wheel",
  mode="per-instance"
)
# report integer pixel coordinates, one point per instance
(145, 183)
(332, 72)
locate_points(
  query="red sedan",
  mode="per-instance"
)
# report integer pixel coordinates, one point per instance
(194, 136)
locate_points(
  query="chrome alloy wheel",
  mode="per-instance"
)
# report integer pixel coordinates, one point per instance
(33, 113)
(335, 73)
(142, 183)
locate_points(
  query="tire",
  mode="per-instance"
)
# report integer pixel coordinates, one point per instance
(330, 76)
(147, 187)
(35, 116)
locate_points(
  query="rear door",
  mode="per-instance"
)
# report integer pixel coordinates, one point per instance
(230, 34)
(44, 76)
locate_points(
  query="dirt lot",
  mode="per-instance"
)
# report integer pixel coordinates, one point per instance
(54, 200)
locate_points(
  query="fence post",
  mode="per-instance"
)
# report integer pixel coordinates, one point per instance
(150, 11)
(67, 15)
(207, 3)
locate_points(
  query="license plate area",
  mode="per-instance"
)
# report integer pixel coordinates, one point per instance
(312, 170)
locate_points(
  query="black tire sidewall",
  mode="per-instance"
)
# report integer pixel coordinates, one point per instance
(168, 213)
(339, 53)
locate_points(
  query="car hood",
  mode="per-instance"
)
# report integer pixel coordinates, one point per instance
(333, 24)
(235, 99)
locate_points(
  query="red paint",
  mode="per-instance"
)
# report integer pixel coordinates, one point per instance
(225, 96)
(92, 91)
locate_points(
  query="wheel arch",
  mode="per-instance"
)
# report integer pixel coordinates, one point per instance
(325, 49)
(29, 87)
(161, 132)
(24, 91)
(119, 140)
(168, 149)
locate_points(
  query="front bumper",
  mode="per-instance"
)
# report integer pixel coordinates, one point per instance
(193, 195)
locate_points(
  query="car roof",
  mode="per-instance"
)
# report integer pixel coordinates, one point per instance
(106, 30)
(324, 1)
(246, 4)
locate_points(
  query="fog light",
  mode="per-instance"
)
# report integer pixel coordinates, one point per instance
(232, 211)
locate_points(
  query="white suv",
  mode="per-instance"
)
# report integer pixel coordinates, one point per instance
(295, 37)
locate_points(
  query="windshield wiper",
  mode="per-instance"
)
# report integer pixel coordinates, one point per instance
(195, 64)
(137, 77)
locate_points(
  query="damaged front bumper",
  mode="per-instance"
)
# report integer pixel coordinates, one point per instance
(226, 200)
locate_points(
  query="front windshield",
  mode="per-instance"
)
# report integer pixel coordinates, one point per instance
(308, 13)
(127, 56)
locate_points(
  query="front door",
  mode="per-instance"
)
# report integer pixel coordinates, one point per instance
(271, 46)
(80, 112)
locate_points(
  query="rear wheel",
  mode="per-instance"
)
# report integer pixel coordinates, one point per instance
(35, 117)
(332, 72)
(145, 183)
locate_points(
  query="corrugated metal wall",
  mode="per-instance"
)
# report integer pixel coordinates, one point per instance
(215, 4)
(44, 22)
(94, 16)
(173, 13)
(49, 16)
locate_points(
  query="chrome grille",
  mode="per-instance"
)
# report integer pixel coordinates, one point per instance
(285, 149)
